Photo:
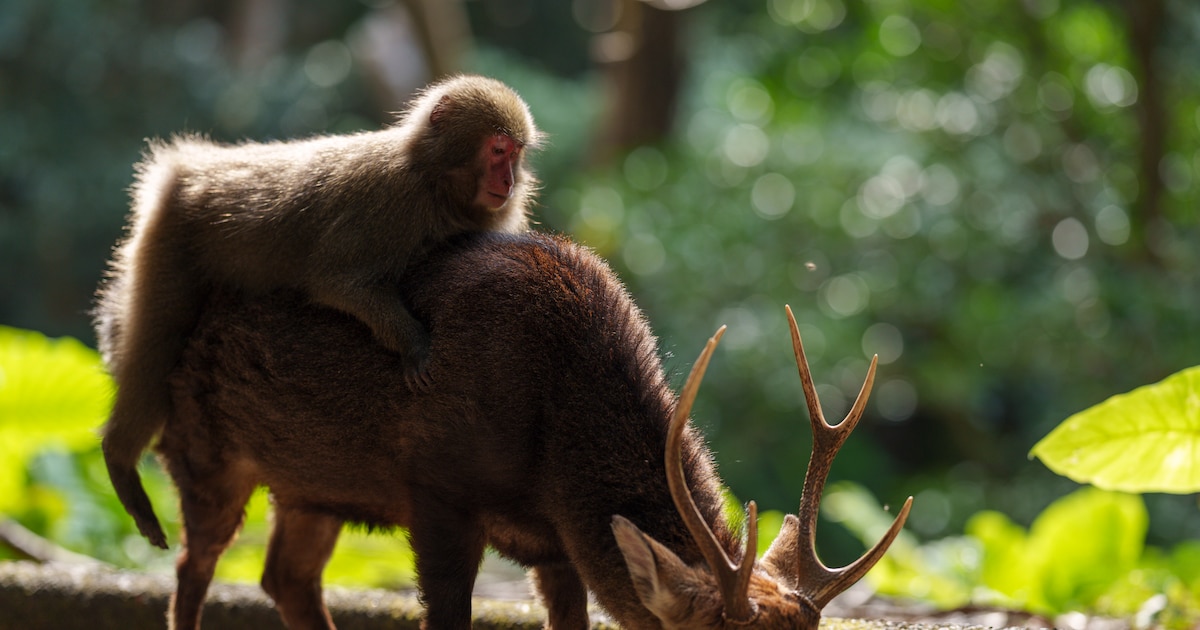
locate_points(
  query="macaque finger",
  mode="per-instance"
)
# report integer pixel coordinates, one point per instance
(418, 379)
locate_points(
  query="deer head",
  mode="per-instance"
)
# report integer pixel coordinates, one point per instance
(790, 586)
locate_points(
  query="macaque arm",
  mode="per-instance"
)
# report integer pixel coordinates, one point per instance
(379, 306)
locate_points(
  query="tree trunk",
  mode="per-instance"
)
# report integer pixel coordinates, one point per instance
(643, 68)
(1146, 19)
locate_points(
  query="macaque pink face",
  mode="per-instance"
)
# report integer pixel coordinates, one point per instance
(499, 155)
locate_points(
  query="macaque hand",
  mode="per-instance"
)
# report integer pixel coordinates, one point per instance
(413, 348)
(416, 376)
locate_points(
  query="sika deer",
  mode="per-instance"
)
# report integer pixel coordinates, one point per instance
(550, 434)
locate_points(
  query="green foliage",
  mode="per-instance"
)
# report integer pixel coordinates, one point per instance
(1085, 552)
(377, 559)
(54, 394)
(953, 186)
(1145, 441)
(942, 572)
(1073, 552)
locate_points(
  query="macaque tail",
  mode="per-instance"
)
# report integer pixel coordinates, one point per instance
(145, 312)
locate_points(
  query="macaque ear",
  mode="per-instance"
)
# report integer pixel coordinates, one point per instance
(654, 569)
(439, 110)
(781, 559)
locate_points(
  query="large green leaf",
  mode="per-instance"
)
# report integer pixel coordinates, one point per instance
(1082, 543)
(52, 392)
(1145, 441)
(1075, 549)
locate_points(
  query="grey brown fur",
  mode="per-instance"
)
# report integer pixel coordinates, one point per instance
(337, 217)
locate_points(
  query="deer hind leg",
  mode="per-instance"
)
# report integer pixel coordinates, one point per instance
(301, 544)
(563, 594)
(448, 547)
(213, 510)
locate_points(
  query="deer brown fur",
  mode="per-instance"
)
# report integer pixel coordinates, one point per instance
(543, 437)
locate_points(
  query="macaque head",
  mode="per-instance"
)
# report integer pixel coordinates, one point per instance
(474, 143)
(499, 158)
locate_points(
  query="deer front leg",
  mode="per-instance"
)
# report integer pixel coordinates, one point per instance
(301, 543)
(449, 547)
(563, 594)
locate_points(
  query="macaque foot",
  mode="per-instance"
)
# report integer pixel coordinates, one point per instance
(415, 353)
(416, 374)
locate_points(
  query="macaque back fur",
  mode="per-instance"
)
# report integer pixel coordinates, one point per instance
(339, 218)
(549, 416)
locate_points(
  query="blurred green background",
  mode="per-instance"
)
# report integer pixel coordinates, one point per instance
(998, 197)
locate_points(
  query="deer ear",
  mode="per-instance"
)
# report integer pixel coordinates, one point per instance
(782, 559)
(652, 567)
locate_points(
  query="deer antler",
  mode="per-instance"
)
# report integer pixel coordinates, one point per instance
(733, 580)
(821, 583)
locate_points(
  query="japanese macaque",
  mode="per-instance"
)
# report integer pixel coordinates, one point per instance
(338, 217)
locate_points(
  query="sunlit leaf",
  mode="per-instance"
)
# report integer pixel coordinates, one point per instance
(1072, 554)
(378, 559)
(1003, 572)
(1089, 33)
(769, 524)
(1185, 561)
(52, 391)
(1145, 441)
(1082, 543)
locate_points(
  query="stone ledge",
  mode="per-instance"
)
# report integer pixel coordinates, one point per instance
(95, 597)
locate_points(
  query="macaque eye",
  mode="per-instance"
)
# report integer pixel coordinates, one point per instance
(498, 149)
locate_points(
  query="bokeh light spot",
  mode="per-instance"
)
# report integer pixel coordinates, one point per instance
(645, 168)
(899, 36)
(1112, 225)
(772, 196)
(1070, 239)
(1110, 86)
(885, 340)
(746, 145)
(749, 101)
(644, 253)
(843, 296)
(328, 63)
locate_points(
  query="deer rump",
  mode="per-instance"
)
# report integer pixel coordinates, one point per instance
(550, 434)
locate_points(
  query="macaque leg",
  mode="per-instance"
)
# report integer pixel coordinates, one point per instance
(212, 514)
(301, 543)
(563, 594)
(448, 550)
(379, 307)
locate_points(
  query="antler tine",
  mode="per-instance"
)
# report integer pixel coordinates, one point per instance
(841, 579)
(732, 579)
(822, 582)
(815, 415)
